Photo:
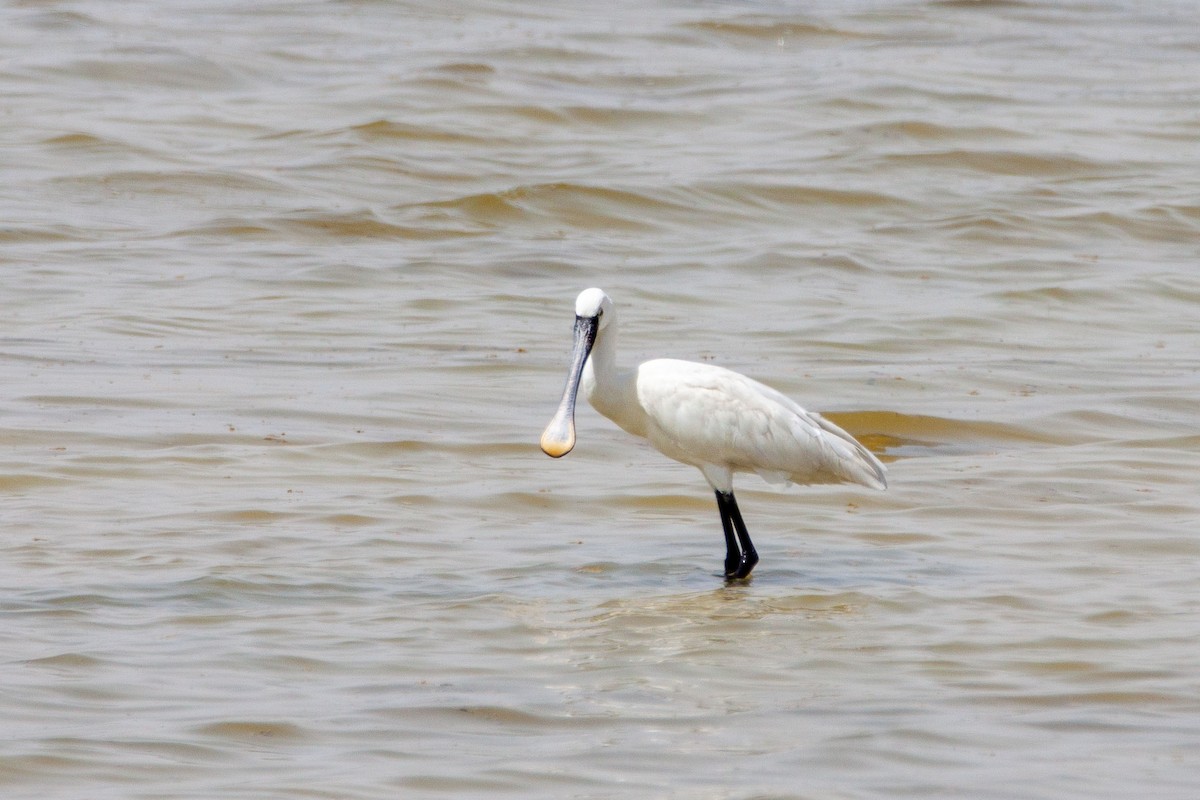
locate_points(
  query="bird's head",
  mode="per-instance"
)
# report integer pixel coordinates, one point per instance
(594, 304)
(593, 312)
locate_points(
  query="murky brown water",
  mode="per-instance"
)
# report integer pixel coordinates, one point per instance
(288, 298)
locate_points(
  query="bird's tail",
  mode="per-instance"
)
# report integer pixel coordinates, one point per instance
(858, 464)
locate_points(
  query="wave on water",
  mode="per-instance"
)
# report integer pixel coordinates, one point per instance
(741, 29)
(894, 435)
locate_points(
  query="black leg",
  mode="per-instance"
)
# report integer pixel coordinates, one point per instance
(733, 555)
(738, 564)
(749, 554)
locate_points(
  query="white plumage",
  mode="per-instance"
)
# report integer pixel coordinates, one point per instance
(712, 418)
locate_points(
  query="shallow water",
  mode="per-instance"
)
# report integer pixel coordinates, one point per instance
(288, 301)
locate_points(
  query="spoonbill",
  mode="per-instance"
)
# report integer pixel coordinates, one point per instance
(709, 417)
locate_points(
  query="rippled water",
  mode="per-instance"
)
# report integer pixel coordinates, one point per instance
(288, 301)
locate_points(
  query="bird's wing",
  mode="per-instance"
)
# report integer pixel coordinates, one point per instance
(702, 414)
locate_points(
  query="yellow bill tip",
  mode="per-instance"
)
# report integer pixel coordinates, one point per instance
(557, 444)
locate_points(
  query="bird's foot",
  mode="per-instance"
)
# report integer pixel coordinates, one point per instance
(742, 568)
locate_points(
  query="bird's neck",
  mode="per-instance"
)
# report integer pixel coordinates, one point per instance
(610, 391)
(600, 375)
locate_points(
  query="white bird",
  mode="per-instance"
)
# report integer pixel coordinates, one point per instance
(712, 418)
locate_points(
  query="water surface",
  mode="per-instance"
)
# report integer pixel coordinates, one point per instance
(288, 301)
